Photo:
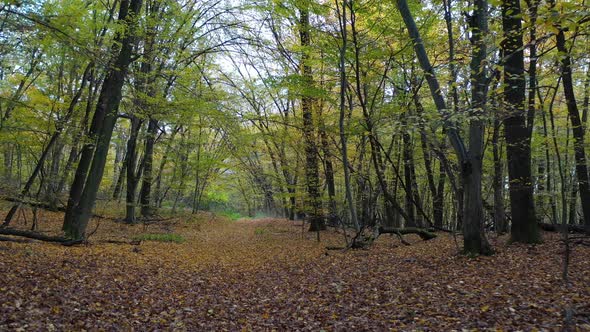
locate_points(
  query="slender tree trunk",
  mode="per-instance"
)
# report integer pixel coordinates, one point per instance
(158, 194)
(343, 139)
(50, 192)
(118, 164)
(316, 219)
(500, 223)
(23, 85)
(426, 148)
(408, 174)
(439, 199)
(586, 102)
(532, 86)
(329, 174)
(131, 170)
(146, 185)
(549, 172)
(119, 184)
(52, 141)
(577, 127)
(573, 204)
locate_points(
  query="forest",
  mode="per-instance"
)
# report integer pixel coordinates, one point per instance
(294, 165)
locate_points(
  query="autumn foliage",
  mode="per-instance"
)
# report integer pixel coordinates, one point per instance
(267, 274)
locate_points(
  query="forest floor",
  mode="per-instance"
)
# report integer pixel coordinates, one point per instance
(267, 274)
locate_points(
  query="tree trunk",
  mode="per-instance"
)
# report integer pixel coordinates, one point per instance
(473, 236)
(518, 150)
(475, 241)
(146, 185)
(312, 178)
(500, 223)
(52, 141)
(131, 170)
(158, 195)
(329, 174)
(342, 107)
(577, 127)
(408, 170)
(84, 192)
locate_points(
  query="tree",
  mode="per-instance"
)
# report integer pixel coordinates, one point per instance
(312, 177)
(518, 145)
(91, 166)
(473, 235)
(577, 125)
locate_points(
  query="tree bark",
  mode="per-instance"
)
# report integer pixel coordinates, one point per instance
(146, 186)
(500, 223)
(518, 150)
(316, 219)
(132, 174)
(577, 126)
(91, 167)
(475, 241)
(343, 139)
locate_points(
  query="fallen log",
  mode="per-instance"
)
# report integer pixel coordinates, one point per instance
(559, 227)
(39, 236)
(11, 239)
(423, 233)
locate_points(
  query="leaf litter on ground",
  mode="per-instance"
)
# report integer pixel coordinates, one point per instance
(266, 274)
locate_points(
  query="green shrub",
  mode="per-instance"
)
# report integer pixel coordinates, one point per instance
(260, 231)
(161, 237)
(231, 215)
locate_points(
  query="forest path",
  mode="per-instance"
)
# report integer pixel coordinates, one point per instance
(266, 274)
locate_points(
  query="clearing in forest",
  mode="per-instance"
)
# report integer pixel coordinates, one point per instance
(210, 273)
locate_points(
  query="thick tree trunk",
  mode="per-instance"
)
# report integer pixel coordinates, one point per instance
(518, 150)
(91, 167)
